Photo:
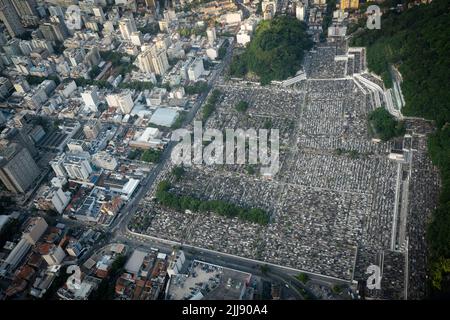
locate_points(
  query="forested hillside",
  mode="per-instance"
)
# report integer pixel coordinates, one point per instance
(417, 41)
(276, 51)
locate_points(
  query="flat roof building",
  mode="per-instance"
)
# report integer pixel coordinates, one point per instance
(17, 168)
(164, 117)
(134, 263)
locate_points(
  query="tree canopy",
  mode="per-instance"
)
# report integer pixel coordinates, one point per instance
(276, 51)
(385, 125)
(169, 199)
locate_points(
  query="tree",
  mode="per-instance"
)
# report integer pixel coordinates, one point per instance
(178, 121)
(242, 106)
(10, 229)
(275, 52)
(196, 88)
(150, 28)
(250, 169)
(137, 85)
(337, 289)
(133, 154)
(264, 269)
(178, 172)
(385, 125)
(210, 105)
(303, 277)
(165, 197)
(106, 288)
(267, 124)
(95, 70)
(151, 155)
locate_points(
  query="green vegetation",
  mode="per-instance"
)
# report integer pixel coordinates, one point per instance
(58, 47)
(133, 154)
(223, 49)
(306, 295)
(416, 41)
(178, 172)
(302, 277)
(385, 125)
(59, 281)
(352, 154)
(276, 51)
(162, 5)
(337, 289)
(439, 229)
(137, 85)
(259, 8)
(113, 56)
(179, 121)
(151, 155)
(327, 19)
(207, 64)
(106, 288)
(166, 85)
(5, 203)
(194, 4)
(250, 169)
(242, 106)
(83, 82)
(264, 269)
(35, 80)
(10, 229)
(187, 32)
(267, 124)
(151, 28)
(95, 71)
(210, 105)
(223, 208)
(118, 61)
(196, 88)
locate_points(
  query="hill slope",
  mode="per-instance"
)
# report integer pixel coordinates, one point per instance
(417, 41)
(275, 52)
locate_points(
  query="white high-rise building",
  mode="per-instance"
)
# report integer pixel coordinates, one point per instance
(10, 18)
(104, 160)
(112, 101)
(196, 69)
(300, 11)
(34, 230)
(243, 37)
(108, 28)
(98, 13)
(54, 256)
(58, 167)
(125, 102)
(127, 26)
(60, 199)
(77, 167)
(136, 38)
(211, 34)
(269, 8)
(153, 61)
(91, 99)
(55, 11)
